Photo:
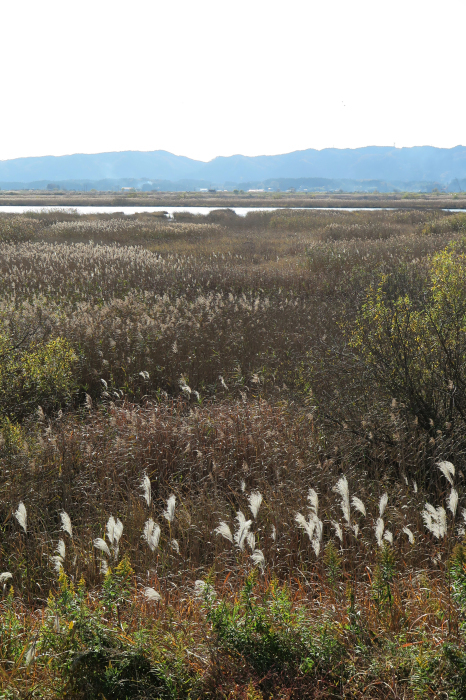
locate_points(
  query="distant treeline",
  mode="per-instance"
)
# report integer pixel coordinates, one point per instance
(313, 184)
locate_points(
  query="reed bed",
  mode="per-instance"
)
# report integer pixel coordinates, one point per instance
(217, 505)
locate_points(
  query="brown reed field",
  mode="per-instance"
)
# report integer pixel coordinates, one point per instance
(232, 455)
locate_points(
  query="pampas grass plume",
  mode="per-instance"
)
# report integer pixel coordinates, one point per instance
(146, 489)
(151, 594)
(169, 514)
(255, 500)
(66, 523)
(101, 545)
(22, 516)
(448, 471)
(453, 501)
(358, 505)
(383, 504)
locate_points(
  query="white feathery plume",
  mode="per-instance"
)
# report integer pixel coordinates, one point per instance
(383, 504)
(146, 489)
(356, 529)
(175, 546)
(110, 528)
(61, 549)
(463, 513)
(22, 516)
(448, 471)
(151, 534)
(203, 589)
(30, 655)
(224, 530)
(435, 520)
(338, 530)
(379, 528)
(117, 531)
(251, 540)
(442, 521)
(308, 527)
(453, 501)
(274, 533)
(341, 488)
(66, 523)
(388, 536)
(242, 485)
(255, 500)
(151, 594)
(103, 566)
(410, 535)
(358, 505)
(169, 514)
(317, 539)
(57, 563)
(313, 499)
(429, 516)
(414, 487)
(258, 558)
(102, 546)
(242, 531)
(5, 577)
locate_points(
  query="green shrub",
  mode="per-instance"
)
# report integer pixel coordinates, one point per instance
(34, 374)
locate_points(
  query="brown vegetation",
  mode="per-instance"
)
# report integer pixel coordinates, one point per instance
(213, 355)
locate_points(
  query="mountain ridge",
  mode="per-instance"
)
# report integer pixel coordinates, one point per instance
(417, 163)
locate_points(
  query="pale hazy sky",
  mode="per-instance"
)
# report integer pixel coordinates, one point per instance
(207, 78)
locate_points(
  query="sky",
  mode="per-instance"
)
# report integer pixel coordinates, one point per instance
(205, 78)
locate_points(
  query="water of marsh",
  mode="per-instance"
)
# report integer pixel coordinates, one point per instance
(241, 211)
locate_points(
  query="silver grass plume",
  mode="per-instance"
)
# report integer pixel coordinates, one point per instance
(102, 546)
(317, 539)
(6, 576)
(307, 526)
(61, 549)
(151, 594)
(255, 500)
(338, 530)
(409, 534)
(251, 540)
(22, 516)
(388, 536)
(175, 546)
(379, 528)
(146, 489)
(151, 534)
(448, 471)
(258, 558)
(114, 533)
(358, 505)
(169, 514)
(202, 589)
(453, 501)
(103, 567)
(383, 504)
(435, 520)
(414, 487)
(313, 499)
(341, 488)
(66, 523)
(30, 655)
(274, 533)
(224, 530)
(242, 531)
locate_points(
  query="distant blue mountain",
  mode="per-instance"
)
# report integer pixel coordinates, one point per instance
(420, 163)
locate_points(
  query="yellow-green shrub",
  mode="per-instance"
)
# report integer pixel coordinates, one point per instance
(39, 373)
